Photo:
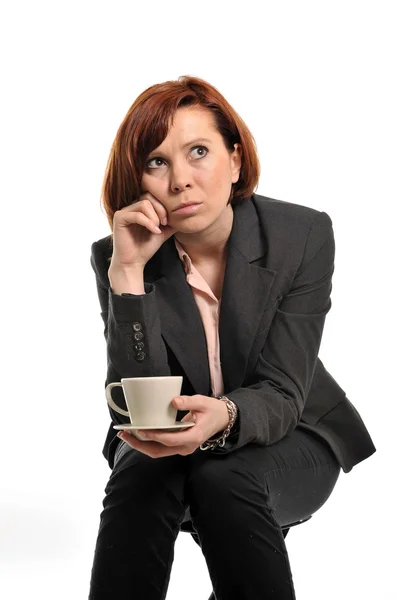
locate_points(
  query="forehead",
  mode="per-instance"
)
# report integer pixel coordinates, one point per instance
(192, 121)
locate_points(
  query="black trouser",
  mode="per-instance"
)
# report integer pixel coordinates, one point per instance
(238, 503)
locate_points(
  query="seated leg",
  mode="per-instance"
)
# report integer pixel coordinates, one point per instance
(240, 501)
(143, 509)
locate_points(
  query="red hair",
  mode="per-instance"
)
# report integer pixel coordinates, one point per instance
(146, 125)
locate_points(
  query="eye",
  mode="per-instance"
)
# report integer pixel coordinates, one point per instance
(150, 161)
(158, 158)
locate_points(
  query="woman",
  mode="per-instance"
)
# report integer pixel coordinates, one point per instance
(201, 277)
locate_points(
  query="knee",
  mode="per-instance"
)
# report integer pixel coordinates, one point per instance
(141, 479)
(219, 482)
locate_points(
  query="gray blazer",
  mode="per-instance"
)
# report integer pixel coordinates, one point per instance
(276, 295)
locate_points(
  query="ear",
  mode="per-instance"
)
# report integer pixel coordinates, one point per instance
(235, 162)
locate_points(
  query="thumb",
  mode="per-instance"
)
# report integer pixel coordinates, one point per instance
(196, 402)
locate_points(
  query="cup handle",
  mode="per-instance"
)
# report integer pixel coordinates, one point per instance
(112, 404)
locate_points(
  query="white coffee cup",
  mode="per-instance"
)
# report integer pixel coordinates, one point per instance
(148, 399)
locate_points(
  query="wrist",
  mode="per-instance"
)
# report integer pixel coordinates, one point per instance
(126, 280)
(232, 409)
(131, 272)
(232, 412)
(226, 413)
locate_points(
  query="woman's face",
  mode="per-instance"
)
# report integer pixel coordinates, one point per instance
(192, 165)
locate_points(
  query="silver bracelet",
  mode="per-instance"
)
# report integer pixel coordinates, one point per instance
(220, 441)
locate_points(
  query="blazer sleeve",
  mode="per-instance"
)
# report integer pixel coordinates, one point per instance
(271, 408)
(129, 354)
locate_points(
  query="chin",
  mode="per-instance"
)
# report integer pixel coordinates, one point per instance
(190, 229)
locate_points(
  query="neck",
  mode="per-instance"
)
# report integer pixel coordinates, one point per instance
(210, 244)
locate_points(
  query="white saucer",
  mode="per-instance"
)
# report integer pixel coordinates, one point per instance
(177, 425)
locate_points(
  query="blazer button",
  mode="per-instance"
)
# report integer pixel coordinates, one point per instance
(138, 335)
(137, 326)
(140, 356)
(138, 346)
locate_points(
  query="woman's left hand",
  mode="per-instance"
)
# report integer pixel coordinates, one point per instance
(209, 414)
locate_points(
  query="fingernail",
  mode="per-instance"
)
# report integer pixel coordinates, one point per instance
(120, 434)
(142, 433)
(164, 221)
(157, 230)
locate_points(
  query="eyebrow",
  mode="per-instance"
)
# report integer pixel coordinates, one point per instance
(188, 144)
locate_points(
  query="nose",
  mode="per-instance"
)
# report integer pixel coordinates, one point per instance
(180, 177)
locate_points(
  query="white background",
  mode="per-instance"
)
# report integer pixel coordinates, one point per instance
(316, 83)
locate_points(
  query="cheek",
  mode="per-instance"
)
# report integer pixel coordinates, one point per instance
(146, 180)
(220, 175)
(150, 184)
(213, 176)
(143, 183)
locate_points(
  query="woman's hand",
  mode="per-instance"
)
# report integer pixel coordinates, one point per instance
(139, 230)
(210, 416)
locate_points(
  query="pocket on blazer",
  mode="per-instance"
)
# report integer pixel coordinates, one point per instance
(324, 395)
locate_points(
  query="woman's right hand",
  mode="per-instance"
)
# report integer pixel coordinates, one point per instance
(138, 232)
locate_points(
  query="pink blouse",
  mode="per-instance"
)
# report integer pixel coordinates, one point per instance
(208, 306)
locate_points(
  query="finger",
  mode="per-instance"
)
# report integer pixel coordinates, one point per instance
(147, 447)
(129, 439)
(144, 206)
(136, 217)
(148, 206)
(197, 402)
(191, 417)
(151, 449)
(188, 417)
(172, 439)
(158, 207)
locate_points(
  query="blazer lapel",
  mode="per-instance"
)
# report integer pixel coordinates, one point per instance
(245, 296)
(246, 291)
(181, 322)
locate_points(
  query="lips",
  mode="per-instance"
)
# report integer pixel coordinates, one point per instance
(188, 209)
(185, 206)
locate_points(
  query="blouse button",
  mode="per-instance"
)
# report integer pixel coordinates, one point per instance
(137, 326)
(140, 356)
